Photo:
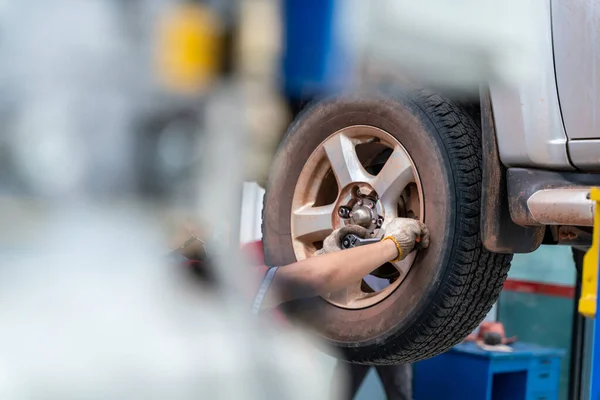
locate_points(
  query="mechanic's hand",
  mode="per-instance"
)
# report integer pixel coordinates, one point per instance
(405, 232)
(333, 242)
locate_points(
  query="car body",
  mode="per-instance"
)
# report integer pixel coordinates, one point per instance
(547, 135)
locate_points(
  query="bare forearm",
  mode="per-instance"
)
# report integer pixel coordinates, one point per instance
(331, 272)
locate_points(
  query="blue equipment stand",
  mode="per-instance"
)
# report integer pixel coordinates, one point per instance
(467, 372)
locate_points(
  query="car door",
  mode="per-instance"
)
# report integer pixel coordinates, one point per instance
(576, 36)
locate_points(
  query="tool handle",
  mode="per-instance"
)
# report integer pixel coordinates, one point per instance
(352, 240)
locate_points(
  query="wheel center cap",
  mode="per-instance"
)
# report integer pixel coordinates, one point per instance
(363, 216)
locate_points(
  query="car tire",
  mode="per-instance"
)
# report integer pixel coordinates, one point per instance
(452, 284)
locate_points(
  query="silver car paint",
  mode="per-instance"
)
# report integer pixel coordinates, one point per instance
(528, 119)
(553, 123)
(577, 61)
(585, 154)
(576, 54)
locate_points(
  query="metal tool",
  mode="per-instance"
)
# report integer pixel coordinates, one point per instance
(353, 240)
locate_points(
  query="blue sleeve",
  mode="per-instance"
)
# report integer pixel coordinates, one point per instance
(263, 289)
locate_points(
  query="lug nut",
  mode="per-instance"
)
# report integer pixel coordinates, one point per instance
(344, 212)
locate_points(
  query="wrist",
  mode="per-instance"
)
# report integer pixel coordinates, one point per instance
(390, 249)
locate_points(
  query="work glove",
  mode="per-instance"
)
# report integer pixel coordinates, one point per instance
(333, 242)
(405, 232)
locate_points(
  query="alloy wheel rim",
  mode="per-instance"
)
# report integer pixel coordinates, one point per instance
(343, 160)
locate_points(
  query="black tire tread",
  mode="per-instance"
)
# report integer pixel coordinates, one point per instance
(475, 280)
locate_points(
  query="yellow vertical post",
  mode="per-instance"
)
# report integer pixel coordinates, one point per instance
(589, 284)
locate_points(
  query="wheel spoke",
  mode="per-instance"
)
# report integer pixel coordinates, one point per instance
(345, 164)
(347, 295)
(393, 177)
(313, 222)
(404, 265)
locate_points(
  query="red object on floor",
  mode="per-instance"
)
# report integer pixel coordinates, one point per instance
(493, 327)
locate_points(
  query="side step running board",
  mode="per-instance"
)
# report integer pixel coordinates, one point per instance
(550, 198)
(562, 207)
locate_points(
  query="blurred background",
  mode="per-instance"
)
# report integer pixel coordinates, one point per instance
(122, 120)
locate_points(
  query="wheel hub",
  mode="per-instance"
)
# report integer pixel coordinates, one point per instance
(362, 210)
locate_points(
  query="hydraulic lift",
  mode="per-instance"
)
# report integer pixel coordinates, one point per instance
(585, 383)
